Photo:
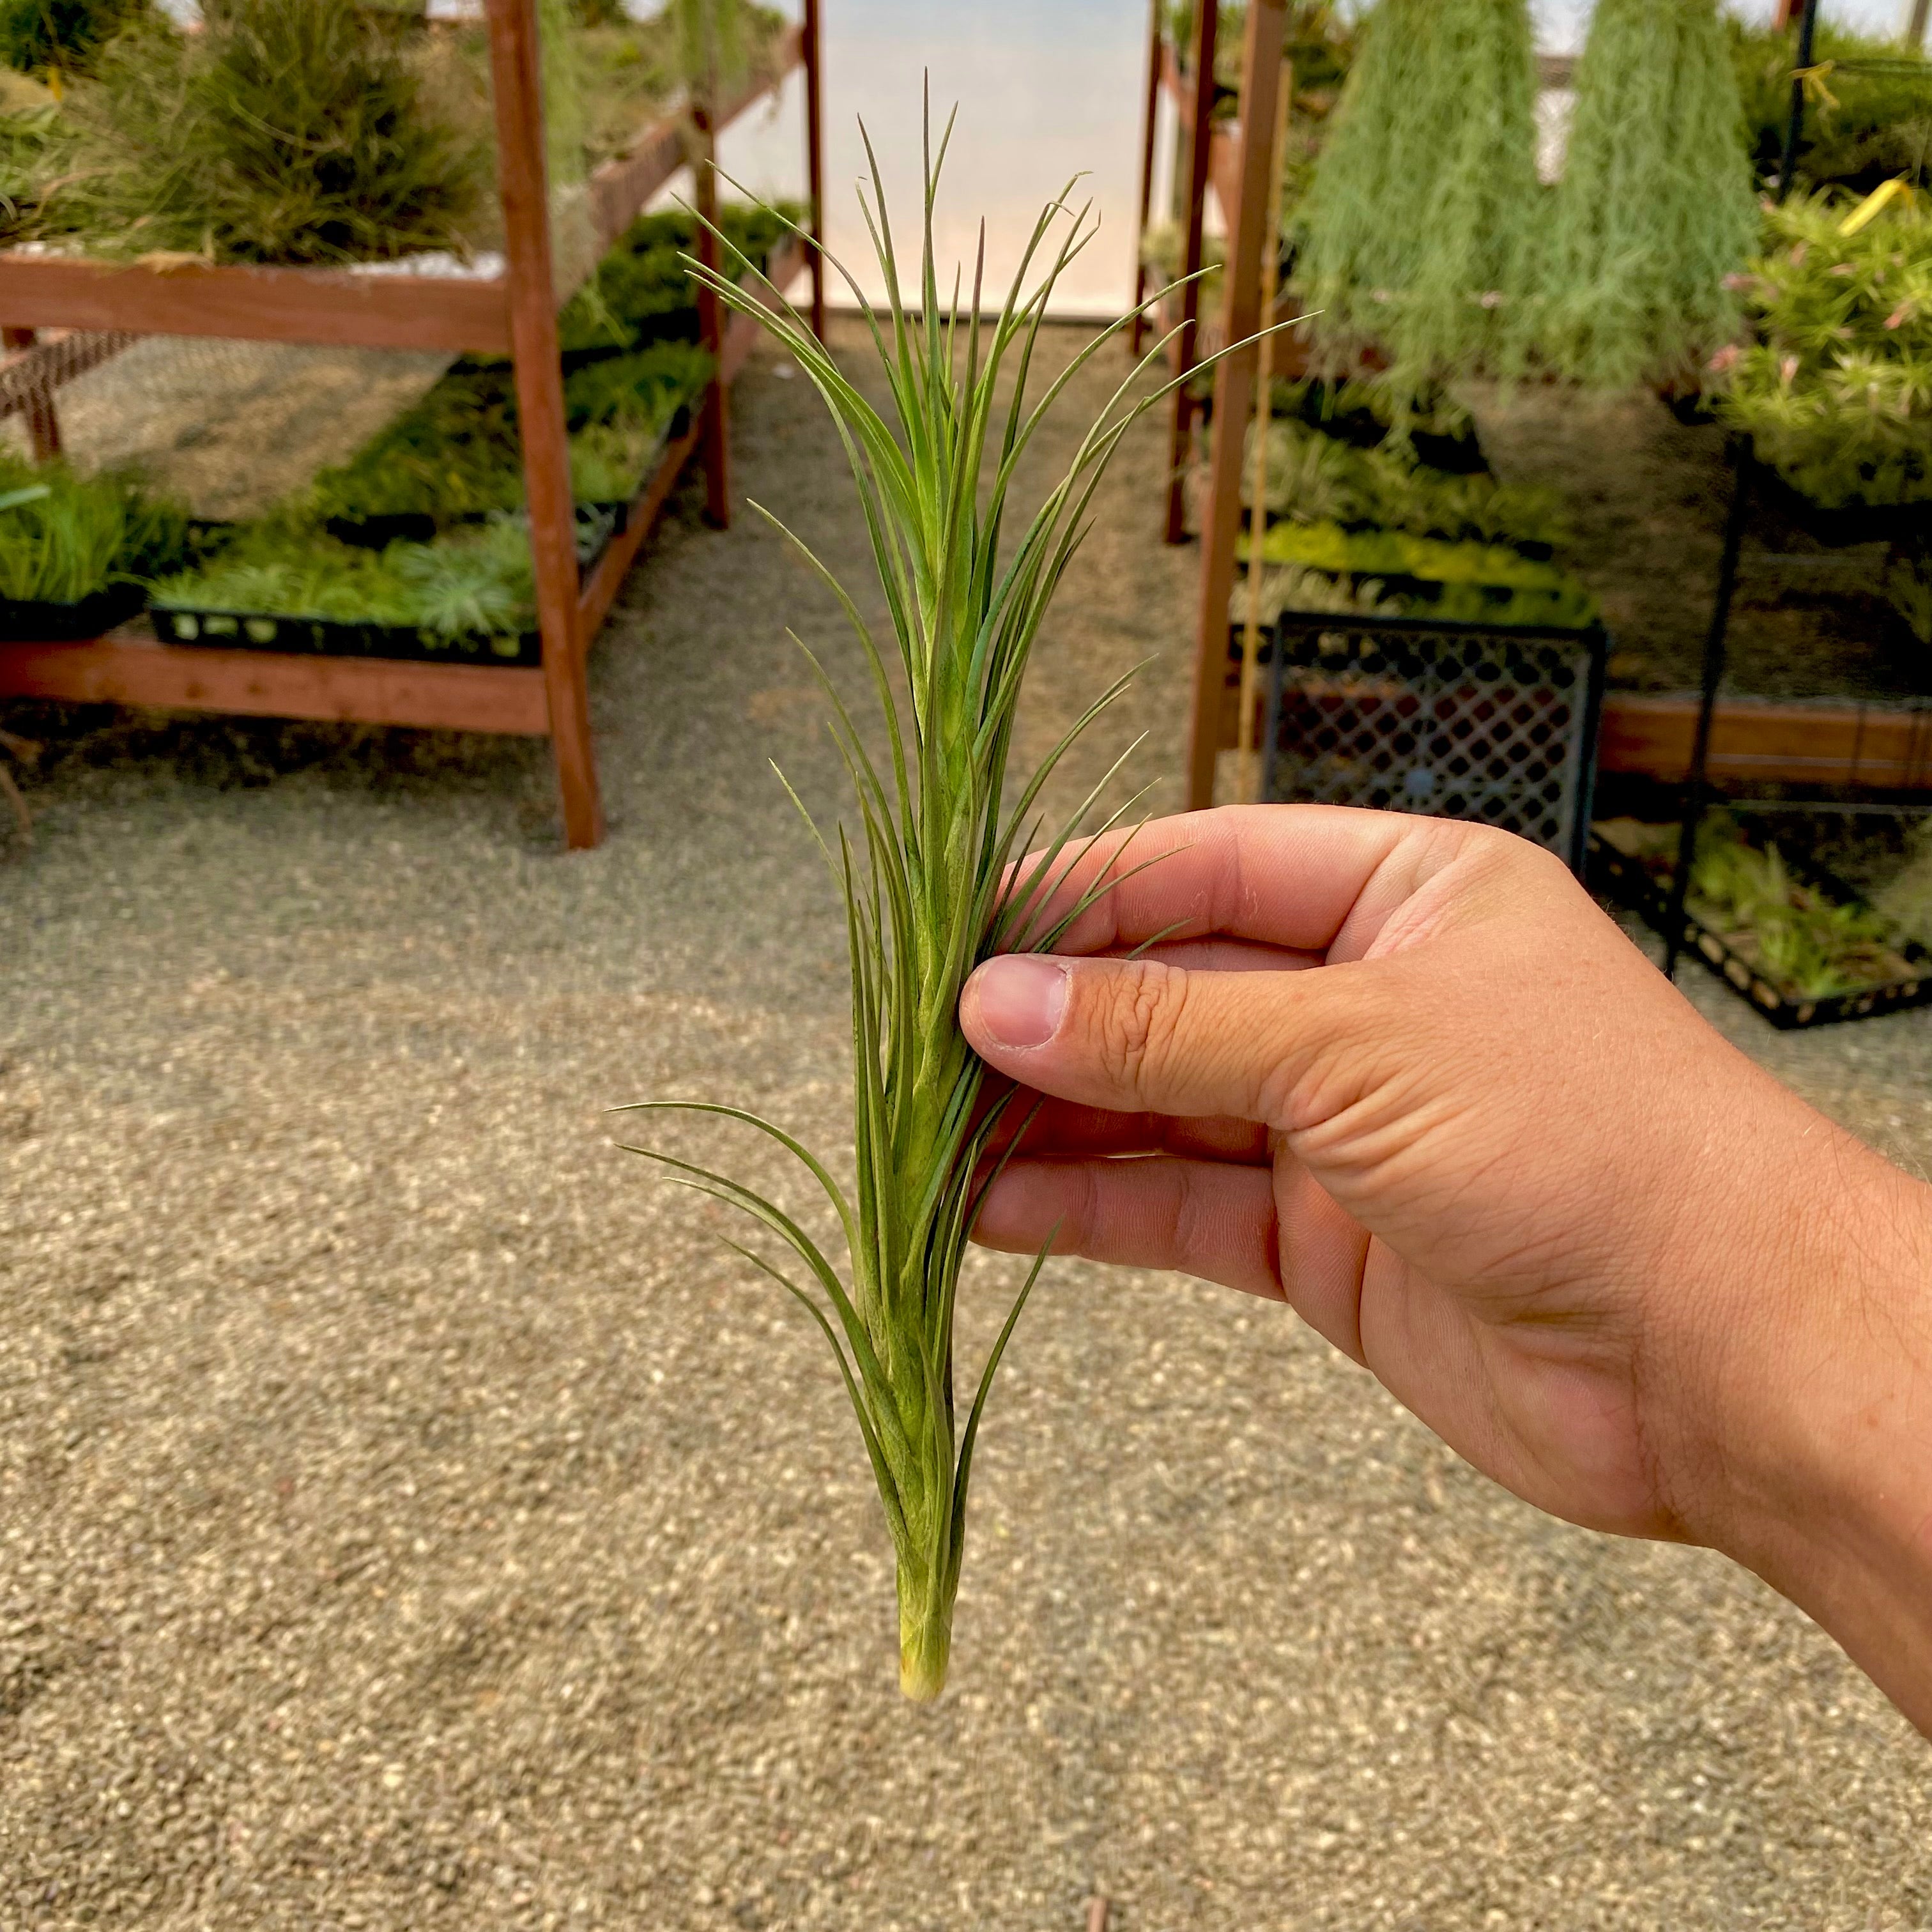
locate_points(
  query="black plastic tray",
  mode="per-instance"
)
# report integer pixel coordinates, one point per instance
(34, 621)
(1846, 525)
(320, 637)
(1629, 881)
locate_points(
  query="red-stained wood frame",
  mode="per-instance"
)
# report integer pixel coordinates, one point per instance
(513, 314)
(1250, 230)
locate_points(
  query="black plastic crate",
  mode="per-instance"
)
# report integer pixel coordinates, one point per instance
(34, 621)
(1497, 724)
(1625, 877)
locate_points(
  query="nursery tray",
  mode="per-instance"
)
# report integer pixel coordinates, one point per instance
(1846, 525)
(320, 637)
(33, 622)
(1624, 877)
(596, 524)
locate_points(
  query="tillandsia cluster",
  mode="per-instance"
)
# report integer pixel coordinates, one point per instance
(930, 889)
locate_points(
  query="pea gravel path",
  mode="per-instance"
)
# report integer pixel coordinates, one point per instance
(409, 1516)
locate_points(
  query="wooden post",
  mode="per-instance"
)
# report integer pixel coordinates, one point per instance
(1250, 222)
(815, 160)
(1149, 109)
(1200, 145)
(1916, 13)
(714, 423)
(43, 420)
(1254, 769)
(516, 81)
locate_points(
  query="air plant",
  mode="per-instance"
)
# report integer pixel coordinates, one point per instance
(931, 887)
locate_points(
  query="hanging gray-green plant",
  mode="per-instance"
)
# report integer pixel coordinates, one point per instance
(1656, 206)
(1415, 237)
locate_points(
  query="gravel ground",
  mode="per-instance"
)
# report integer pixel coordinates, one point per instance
(412, 1517)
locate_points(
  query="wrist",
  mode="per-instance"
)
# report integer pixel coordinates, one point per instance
(1818, 1455)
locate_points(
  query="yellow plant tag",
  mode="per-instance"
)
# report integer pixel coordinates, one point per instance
(1812, 79)
(1875, 204)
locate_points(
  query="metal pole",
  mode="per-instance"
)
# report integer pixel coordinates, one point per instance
(1697, 785)
(1807, 29)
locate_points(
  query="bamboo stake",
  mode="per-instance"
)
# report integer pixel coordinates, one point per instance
(1250, 763)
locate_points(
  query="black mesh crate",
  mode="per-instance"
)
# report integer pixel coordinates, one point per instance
(1495, 724)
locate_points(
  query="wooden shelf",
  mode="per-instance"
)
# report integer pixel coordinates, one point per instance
(600, 587)
(619, 189)
(1769, 742)
(338, 307)
(129, 666)
(512, 314)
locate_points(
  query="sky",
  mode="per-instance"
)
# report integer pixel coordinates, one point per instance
(1045, 88)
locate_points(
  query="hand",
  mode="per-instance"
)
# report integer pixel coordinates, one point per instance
(1404, 1074)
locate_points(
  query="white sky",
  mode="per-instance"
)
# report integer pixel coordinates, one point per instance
(1045, 88)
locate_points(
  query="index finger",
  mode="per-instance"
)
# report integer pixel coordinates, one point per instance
(1319, 879)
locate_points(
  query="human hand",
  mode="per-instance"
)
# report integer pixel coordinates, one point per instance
(1404, 1074)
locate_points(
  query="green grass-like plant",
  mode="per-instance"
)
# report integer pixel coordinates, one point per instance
(1657, 208)
(457, 452)
(63, 536)
(966, 582)
(1314, 479)
(285, 131)
(476, 582)
(55, 40)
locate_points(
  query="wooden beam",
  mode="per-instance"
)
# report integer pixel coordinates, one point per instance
(517, 84)
(621, 187)
(121, 670)
(1150, 108)
(326, 306)
(1199, 121)
(600, 588)
(1767, 741)
(1250, 222)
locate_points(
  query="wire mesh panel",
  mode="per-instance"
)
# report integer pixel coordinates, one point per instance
(1458, 721)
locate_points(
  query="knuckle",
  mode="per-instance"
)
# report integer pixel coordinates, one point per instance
(1136, 1023)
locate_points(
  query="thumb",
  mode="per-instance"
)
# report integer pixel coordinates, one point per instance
(1144, 1036)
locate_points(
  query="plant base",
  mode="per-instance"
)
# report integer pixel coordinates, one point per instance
(925, 1641)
